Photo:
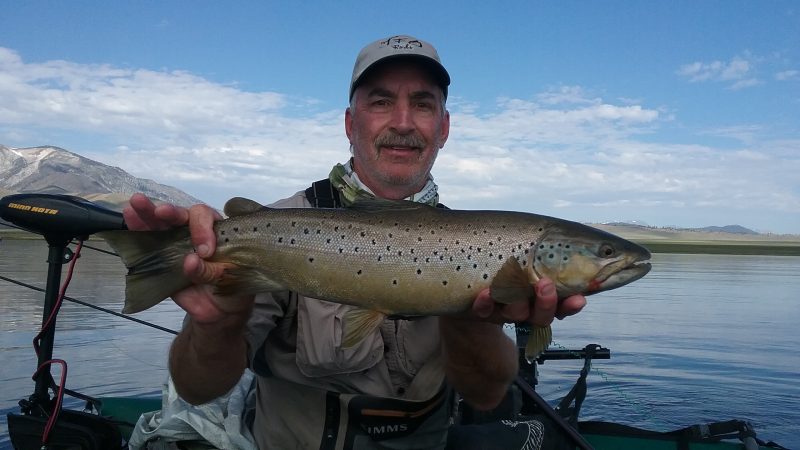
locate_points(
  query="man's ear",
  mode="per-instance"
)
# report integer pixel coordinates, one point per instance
(445, 129)
(348, 124)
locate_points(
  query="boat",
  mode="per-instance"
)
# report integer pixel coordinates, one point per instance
(106, 423)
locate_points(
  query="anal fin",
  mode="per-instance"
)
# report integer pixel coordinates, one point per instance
(240, 280)
(538, 341)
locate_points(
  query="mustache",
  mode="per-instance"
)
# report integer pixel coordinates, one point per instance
(392, 139)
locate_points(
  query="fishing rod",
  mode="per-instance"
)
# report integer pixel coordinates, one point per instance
(95, 307)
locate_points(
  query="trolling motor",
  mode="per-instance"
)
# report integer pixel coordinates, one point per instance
(59, 219)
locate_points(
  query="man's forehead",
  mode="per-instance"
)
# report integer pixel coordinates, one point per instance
(394, 74)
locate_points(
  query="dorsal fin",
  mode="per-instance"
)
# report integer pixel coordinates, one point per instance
(239, 206)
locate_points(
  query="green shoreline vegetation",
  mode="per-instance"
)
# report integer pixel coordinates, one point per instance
(713, 246)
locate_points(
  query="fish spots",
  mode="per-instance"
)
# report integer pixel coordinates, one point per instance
(444, 282)
(235, 229)
(419, 271)
(359, 272)
(311, 260)
(292, 242)
(255, 229)
(280, 239)
(305, 231)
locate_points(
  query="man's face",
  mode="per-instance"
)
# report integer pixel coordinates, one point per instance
(396, 124)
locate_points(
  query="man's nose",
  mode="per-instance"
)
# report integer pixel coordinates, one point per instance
(402, 118)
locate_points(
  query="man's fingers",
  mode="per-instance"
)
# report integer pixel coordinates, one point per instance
(544, 308)
(201, 271)
(201, 227)
(571, 305)
(483, 306)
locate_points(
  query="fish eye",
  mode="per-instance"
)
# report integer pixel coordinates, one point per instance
(606, 251)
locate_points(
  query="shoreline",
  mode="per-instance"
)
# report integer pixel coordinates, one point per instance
(712, 246)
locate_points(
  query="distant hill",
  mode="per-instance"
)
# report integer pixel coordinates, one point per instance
(735, 229)
(53, 170)
(637, 227)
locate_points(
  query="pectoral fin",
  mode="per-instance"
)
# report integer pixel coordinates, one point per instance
(511, 284)
(358, 324)
(538, 341)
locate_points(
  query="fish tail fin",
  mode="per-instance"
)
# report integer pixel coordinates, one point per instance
(538, 341)
(155, 264)
(358, 324)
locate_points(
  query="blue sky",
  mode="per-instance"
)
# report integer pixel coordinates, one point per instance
(671, 113)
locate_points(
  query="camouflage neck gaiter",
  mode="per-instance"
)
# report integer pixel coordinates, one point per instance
(350, 188)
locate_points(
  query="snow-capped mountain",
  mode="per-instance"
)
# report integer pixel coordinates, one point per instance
(54, 170)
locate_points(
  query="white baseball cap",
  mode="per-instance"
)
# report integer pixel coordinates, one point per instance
(398, 47)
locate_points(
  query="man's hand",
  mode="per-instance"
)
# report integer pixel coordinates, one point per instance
(539, 312)
(480, 359)
(198, 300)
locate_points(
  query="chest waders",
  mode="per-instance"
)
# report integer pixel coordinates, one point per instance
(352, 421)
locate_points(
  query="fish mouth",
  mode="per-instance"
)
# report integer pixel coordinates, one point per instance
(621, 276)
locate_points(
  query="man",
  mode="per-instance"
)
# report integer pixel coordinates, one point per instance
(393, 388)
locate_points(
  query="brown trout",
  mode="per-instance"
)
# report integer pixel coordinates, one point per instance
(387, 258)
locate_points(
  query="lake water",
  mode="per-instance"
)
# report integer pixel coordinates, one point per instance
(701, 338)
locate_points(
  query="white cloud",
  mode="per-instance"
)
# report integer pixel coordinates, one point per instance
(563, 151)
(738, 71)
(788, 75)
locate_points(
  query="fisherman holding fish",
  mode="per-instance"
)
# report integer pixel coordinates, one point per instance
(392, 386)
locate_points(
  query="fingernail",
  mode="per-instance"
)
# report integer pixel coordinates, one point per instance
(202, 250)
(548, 290)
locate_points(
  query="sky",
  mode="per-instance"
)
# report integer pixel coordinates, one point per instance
(681, 113)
